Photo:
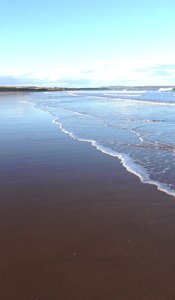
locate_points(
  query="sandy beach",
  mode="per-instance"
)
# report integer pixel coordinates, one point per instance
(74, 224)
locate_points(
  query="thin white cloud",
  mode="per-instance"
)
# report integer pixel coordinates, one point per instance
(108, 73)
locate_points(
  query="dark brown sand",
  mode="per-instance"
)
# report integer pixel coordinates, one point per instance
(74, 224)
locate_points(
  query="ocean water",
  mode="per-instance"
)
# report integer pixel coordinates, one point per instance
(137, 126)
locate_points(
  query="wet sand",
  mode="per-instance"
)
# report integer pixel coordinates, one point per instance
(74, 224)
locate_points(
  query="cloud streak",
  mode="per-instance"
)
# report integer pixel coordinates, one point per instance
(120, 73)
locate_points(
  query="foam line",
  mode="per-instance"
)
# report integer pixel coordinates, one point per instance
(165, 89)
(126, 161)
(72, 94)
(144, 101)
(125, 92)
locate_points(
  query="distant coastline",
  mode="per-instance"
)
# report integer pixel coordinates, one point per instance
(52, 89)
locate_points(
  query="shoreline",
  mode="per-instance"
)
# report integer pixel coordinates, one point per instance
(130, 167)
(7, 89)
(74, 223)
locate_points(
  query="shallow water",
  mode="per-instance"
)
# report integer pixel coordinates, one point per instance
(136, 126)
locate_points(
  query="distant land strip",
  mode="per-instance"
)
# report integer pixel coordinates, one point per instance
(52, 89)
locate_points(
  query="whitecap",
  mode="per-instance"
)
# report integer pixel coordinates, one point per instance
(167, 89)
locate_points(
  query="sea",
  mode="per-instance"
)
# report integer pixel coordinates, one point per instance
(135, 125)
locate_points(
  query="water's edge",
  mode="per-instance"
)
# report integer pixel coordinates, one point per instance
(125, 160)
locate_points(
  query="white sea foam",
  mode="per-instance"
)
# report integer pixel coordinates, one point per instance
(27, 102)
(165, 89)
(126, 92)
(144, 102)
(69, 110)
(145, 120)
(120, 94)
(72, 94)
(138, 135)
(127, 161)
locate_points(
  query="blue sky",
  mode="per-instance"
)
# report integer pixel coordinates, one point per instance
(74, 43)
